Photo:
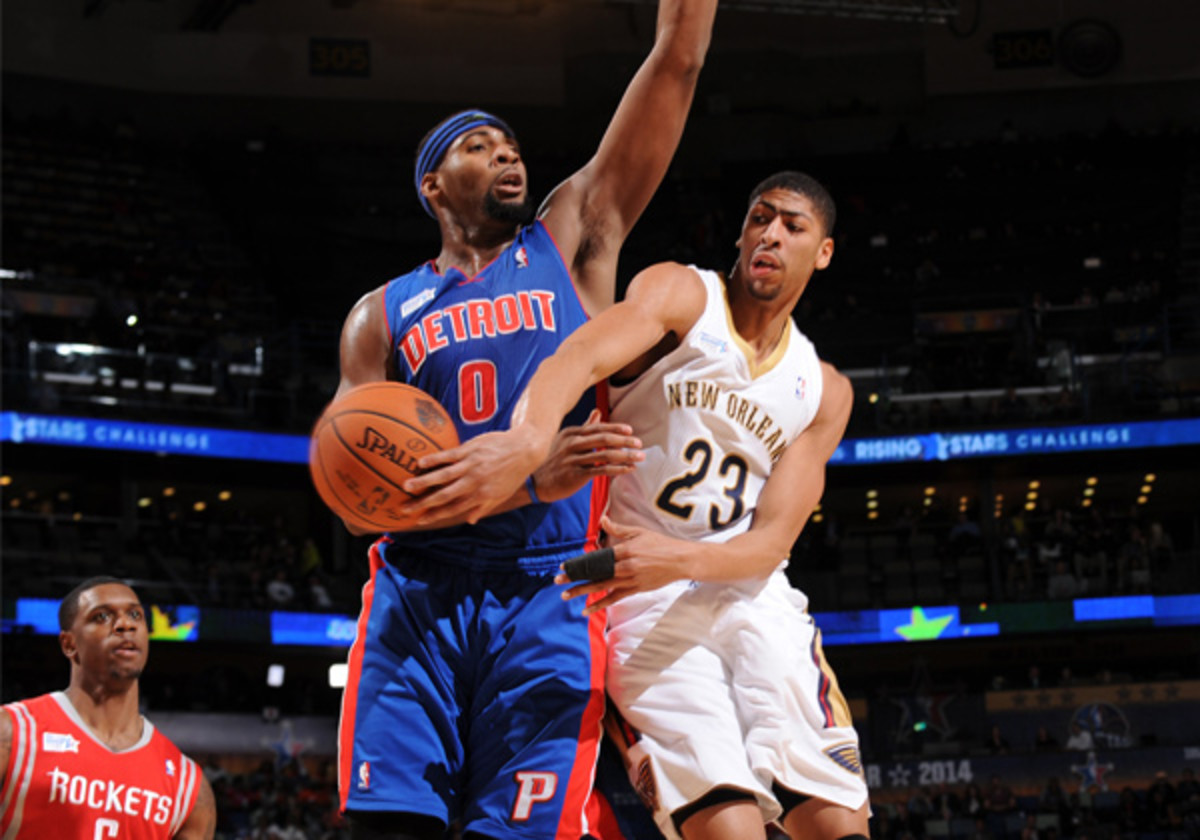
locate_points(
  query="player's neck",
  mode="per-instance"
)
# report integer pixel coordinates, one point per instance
(110, 711)
(471, 249)
(760, 324)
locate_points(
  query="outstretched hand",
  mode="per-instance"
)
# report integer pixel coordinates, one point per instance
(470, 481)
(580, 453)
(644, 561)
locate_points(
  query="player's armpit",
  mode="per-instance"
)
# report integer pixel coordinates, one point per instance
(201, 823)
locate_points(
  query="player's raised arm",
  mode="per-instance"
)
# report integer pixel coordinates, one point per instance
(664, 299)
(646, 560)
(592, 212)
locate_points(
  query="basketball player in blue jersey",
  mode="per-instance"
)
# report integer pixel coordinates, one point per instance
(713, 657)
(475, 693)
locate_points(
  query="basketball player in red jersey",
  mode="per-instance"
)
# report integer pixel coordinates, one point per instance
(83, 763)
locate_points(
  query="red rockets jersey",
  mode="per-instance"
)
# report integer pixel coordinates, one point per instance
(61, 781)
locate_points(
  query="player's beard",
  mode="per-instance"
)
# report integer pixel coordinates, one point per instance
(126, 673)
(511, 212)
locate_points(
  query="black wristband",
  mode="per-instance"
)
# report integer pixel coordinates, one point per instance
(595, 565)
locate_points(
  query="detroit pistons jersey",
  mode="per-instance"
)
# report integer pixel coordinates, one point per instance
(473, 343)
(61, 781)
(712, 424)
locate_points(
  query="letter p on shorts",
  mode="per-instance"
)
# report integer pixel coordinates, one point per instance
(534, 786)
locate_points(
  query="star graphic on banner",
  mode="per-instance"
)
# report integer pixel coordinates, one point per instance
(1092, 772)
(1019, 700)
(898, 776)
(927, 707)
(1124, 693)
(921, 629)
(1043, 698)
(1068, 697)
(1148, 692)
(288, 746)
(1172, 691)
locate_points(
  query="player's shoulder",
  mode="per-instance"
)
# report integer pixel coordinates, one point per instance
(837, 389)
(16, 717)
(29, 705)
(670, 276)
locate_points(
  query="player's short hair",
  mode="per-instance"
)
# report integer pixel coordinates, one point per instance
(804, 185)
(68, 607)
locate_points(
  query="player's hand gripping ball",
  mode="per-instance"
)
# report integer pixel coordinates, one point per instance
(366, 444)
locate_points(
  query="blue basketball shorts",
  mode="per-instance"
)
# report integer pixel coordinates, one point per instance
(474, 696)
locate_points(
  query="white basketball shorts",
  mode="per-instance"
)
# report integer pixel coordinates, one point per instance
(728, 686)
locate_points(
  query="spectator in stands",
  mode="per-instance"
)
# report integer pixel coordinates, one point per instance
(1133, 563)
(1014, 556)
(905, 823)
(280, 592)
(1000, 798)
(1034, 677)
(1081, 739)
(937, 417)
(318, 595)
(1062, 583)
(1043, 741)
(1131, 815)
(996, 743)
(981, 831)
(1066, 405)
(1029, 831)
(968, 414)
(310, 558)
(973, 803)
(964, 536)
(1160, 545)
(946, 804)
(920, 804)
(1188, 787)
(1053, 799)
(1115, 295)
(1011, 408)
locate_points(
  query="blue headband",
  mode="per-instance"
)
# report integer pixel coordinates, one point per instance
(434, 148)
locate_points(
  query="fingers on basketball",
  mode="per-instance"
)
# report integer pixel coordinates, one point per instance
(366, 444)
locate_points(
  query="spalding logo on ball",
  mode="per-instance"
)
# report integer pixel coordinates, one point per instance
(366, 444)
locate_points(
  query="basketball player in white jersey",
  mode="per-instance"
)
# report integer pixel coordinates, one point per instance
(713, 658)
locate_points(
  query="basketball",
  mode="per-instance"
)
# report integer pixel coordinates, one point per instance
(366, 444)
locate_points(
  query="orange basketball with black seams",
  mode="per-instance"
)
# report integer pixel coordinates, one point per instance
(366, 444)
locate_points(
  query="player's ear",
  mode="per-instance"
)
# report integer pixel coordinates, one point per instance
(430, 186)
(824, 253)
(66, 641)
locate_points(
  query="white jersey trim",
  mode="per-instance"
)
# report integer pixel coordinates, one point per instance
(69, 710)
(183, 793)
(27, 729)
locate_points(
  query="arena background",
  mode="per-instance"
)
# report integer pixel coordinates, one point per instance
(195, 192)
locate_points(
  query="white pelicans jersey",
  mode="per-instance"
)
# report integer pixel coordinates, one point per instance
(712, 425)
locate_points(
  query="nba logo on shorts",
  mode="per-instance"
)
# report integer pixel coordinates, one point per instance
(522, 257)
(364, 776)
